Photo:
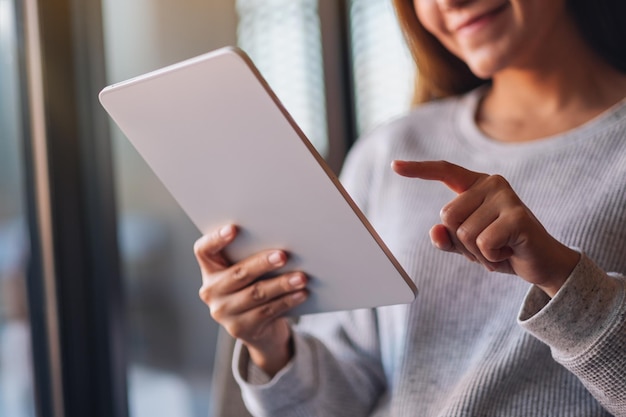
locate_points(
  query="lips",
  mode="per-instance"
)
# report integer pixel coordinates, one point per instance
(477, 17)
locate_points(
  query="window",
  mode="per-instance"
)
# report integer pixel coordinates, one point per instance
(383, 69)
(283, 39)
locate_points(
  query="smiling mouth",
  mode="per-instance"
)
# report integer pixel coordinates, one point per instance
(483, 18)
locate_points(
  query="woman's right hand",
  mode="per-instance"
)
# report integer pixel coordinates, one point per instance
(250, 309)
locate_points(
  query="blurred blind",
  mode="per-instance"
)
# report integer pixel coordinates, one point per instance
(383, 69)
(283, 39)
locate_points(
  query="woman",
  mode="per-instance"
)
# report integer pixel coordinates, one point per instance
(531, 321)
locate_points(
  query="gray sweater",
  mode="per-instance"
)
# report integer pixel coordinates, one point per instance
(473, 343)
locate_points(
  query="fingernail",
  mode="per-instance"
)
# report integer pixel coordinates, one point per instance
(296, 281)
(441, 246)
(227, 231)
(298, 296)
(275, 258)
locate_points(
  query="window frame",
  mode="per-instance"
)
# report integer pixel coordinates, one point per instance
(74, 283)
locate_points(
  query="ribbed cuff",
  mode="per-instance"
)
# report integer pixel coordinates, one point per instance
(582, 311)
(292, 386)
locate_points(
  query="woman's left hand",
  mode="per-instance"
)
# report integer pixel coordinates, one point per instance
(488, 223)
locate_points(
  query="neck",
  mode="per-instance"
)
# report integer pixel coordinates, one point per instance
(564, 85)
(564, 80)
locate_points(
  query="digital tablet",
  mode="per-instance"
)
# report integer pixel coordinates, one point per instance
(226, 149)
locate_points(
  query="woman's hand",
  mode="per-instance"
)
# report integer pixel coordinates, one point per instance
(488, 223)
(249, 309)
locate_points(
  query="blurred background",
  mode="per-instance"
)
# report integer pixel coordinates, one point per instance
(99, 312)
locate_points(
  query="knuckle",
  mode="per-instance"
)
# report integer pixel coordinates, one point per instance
(205, 294)
(239, 272)
(484, 243)
(448, 215)
(198, 247)
(266, 311)
(218, 312)
(282, 304)
(518, 214)
(497, 181)
(465, 234)
(256, 292)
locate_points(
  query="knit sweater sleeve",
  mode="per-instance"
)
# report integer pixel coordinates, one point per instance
(335, 372)
(585, 327)
(336, 369)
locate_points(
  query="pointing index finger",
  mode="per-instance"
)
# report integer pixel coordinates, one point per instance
(457, 178)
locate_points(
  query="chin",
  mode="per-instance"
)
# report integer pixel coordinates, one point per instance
(485, 69)
(487, 61)
(482, 73)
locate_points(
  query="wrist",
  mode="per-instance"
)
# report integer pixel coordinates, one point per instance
(271, 358)
(563, 264)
